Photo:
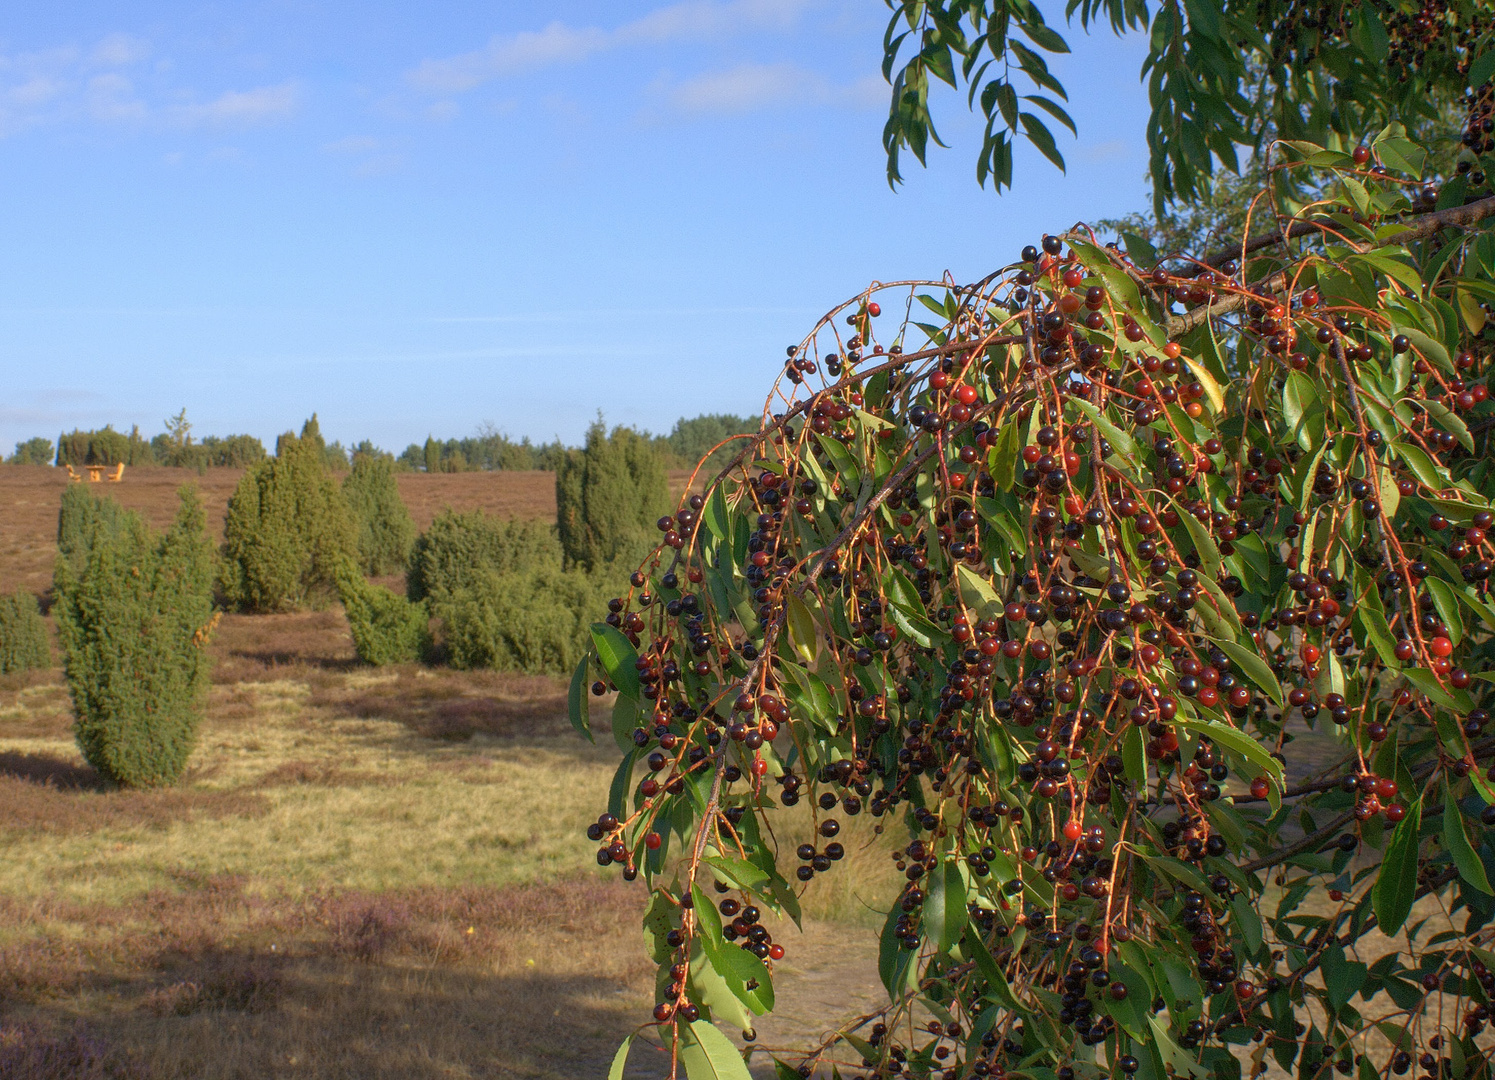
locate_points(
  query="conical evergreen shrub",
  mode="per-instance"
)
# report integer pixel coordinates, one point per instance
(81, 517)
(287, 527)
(23, 634)
(133, 618)
(608, 495)
(385, 528)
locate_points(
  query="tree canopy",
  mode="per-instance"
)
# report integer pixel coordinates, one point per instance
(1139, 598)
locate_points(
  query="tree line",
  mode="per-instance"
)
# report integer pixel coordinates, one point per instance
(488, 450)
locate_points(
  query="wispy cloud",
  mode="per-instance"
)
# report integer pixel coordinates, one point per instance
(749, 87)
(558, 43)
(101, 84)
(119, 50)
(261, 105)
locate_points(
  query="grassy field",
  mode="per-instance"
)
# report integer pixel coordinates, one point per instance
(366, 873)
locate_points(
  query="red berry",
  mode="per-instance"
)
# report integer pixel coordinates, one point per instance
(1361, 154)
(652, 841)
(776, 952)
(1073, 830)
(1440, 646)
(966, 395)
(1073, 276)
(874, 309)
(1259, 788)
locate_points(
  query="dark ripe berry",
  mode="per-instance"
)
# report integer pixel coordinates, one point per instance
(1030, 255)
(1052, 244)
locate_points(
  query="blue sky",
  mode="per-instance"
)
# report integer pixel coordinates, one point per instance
(418, 218)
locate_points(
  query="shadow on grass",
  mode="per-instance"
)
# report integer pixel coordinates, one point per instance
(219, 982)
(50, 771)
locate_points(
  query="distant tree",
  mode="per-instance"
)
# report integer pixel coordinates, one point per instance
(691, 440)
(232, 451)
(133, 619)
(175, 447)
(35, 451)
(23, 634)
(104, 447)
(608, 496)
(432, 455)
(287, 526)
(385, 528)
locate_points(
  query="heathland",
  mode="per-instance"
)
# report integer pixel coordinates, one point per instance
(366, 872)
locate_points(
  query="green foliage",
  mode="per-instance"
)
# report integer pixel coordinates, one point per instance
(23, 634)
(460, 546)
(386, 530)
(132, 620)
(386, 627)
(693, 439)
(1057, 609)
(533, 620)
(104, 447)
(1222, 76)
(34, 451)
(608, 495)
(286, 528)
(82, 516)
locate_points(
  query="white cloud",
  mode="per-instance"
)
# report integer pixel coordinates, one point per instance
(509, 54)
(750, 87)
(111, 98)
(119, 50)
(240, 107)
(35, 91)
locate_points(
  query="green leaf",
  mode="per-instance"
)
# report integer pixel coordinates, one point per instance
(895, 964)
(576, 702)
(1120, 441)
(1250, 664)
(996, 980)
(716, 516)
(1211, 387)
(802, 631)
(1396, 883)
(1044, 37)
(977, 591)
(617, 794)
(1239, 742)
(1342, 978)
(1482, 69)
(618, 658)
(620, 1059)
(1041, 138)
(1447, 603)
(1456, 840)
(1204, 543)
(707, 1054)
(945, 914)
